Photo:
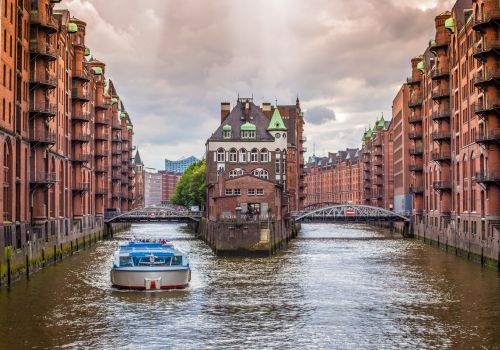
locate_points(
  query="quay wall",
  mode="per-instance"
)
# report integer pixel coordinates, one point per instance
(483, 250)
(251, 238)
(45, 248)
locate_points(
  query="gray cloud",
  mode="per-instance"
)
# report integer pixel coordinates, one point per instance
(174, 61)
(320, 115)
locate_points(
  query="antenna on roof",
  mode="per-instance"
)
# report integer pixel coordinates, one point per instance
(276, 99)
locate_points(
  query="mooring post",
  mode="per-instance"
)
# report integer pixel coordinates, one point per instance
(27, 267)
(8, 272)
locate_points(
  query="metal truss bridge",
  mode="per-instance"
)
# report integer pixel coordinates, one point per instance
(155, 214)
(348, 213)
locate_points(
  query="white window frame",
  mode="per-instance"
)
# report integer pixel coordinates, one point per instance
(229, 192)
(221, 156)
(236, 172)
(243, 156)
(226, 134)
(259, 191)
(264, 156)
(237, 191)
(233, 155)
(254, 156)
(251, 191)
(277, 166)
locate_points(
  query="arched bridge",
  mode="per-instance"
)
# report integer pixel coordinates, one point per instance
(348, 213)
(156, 214)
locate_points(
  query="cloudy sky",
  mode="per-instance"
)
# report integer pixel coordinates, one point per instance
(173, 62)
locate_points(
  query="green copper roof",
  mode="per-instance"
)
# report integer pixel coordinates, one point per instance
(381, 122)
(450, 24)
(248, 127)
(302, 114)
(421, 66)
(87, 51)
(114, 100)
(130, 127)
(369, 133)
(227, 127)
(72, 28)
(97, 70)
(276, 122)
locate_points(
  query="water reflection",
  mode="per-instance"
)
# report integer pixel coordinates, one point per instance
(333, 287)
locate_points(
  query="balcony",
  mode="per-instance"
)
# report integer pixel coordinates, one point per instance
(440, 94)
(43, 79)
(43, 108)
(81, 116)
(379, 164)
(418, 190)
(44, 21)
(416, 168)
(487, 77)
(102, 136)
(100, 191)
(413, 81)
(487, 48)
(379, 183)
(415, 101)
(80, 95)
(443, 156)
(304, 150)
(117, 139)
(101, 153)
(80, 137)
(116, 164)
(81, 187)
(378, 153)
(488, 137)
(116, 152)
(117, 126)
(43, 178)
(81, 158)
(366, 160)
(367, 185)
(488, 177)
(102, 121)
(100, 169)
(435, 45)
(484, 108)
(442, 185)
(441, 114)
(44, 138)
(416, 151)
(43, 49)
(415, 135)
(303, 139)
(116, 177)
(102, 105)
(440, 73)
(81, 74)
(440, 136)
(415, 119)
(491, 17)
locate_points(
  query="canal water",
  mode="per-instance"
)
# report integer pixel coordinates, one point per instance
(335, 287)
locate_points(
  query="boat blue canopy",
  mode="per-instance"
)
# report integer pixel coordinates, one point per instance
(146, 254)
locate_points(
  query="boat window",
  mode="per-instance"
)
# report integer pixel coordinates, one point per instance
(152, 261)
(125, 261)
(176, 260)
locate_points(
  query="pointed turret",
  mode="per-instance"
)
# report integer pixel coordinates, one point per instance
(137, 158)
(276, 122)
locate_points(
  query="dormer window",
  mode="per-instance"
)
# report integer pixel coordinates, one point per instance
(248, 131)
(226, 131)
(248, 134)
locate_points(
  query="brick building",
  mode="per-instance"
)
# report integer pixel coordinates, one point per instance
(455, 123)
(58, 114)
(247, 162)
(401, 151)
(168, 182)
(334, 179)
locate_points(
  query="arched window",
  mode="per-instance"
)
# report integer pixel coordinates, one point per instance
(236, 172)
(263, 174)
(232, 155)
(264, 155)
(221, 155)
(254, 156)
(464, 167)
(243, 156)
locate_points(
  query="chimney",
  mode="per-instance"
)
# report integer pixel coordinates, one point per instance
(266, 108)
(225, 109)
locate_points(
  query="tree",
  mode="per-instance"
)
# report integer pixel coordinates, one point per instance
(190, 189)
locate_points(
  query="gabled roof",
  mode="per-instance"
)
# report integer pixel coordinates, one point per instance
(137, 158)
(276, 122)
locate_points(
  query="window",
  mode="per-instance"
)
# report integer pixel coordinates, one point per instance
(254, 156)
(236, 172)
(243, 156)
(277, 166)
(264, 155)
(251, 192)
(247, 134)
(226, 134)
(263, 174)
(220, 155)
(259, 191)
(229, 191)
(232, 155)
(237, 192)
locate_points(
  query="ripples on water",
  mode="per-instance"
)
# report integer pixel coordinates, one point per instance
(336, 286)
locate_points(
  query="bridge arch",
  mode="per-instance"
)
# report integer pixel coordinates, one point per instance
(155, 214)
(348, 212)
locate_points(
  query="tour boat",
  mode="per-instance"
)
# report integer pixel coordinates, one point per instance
(150, 265)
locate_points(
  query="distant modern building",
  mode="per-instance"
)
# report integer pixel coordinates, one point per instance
(152, 187)
(179, 166)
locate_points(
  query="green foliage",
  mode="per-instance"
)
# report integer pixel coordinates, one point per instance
(190, 189)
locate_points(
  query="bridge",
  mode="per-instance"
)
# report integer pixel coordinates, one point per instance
(155, 214)
(348, 213)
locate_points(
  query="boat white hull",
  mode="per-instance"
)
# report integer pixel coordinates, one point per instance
(142, 279)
